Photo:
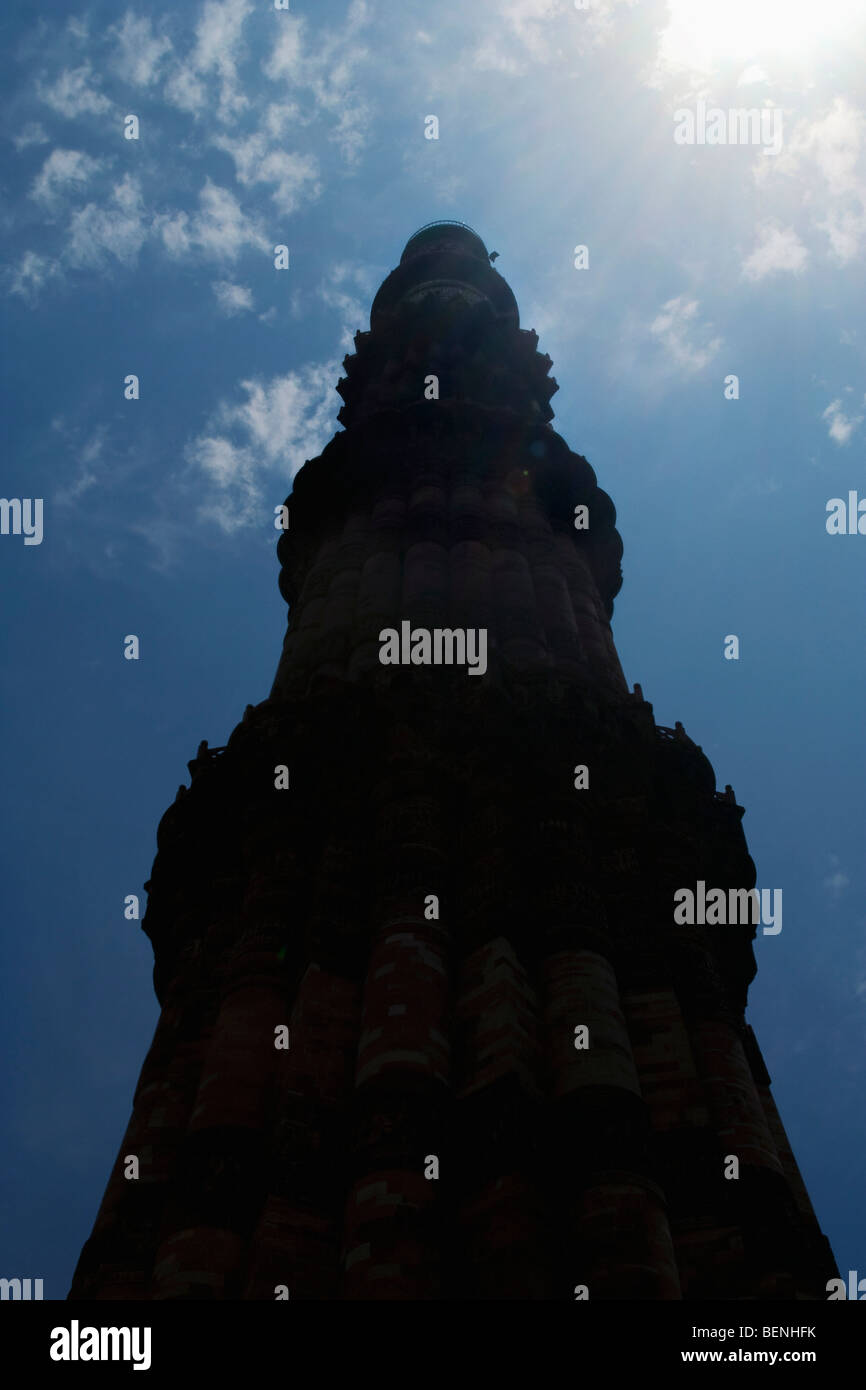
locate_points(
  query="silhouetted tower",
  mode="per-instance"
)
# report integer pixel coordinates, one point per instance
(439, 909)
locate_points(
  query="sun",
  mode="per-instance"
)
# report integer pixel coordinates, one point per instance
(702, 32)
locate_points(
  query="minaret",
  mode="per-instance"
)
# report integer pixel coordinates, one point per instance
(429, 1027)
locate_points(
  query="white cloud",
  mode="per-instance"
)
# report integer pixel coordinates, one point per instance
(174, 228)
(184, 90)
(328, 73)
(752, 75)
(220, 230)
(529, 21)
(234, 495)
(281, 423)
(32, 134)
(63, 167)
(217, 51)
(218, 34)
(353, 310)
(289, 417)
(89, 472)
(350, 132)
(232, 299)
(778, 249)
(118, 229)
(827, 158)
(323, 72)
(674, 329)
(140, 52)
(27, 278)
(836, 142)
(295, 177)
(523, 32)
(285, 60)
(74, 95)
(280, 116)
(840, 426)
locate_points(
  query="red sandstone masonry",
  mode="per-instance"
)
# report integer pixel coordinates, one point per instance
(660, 1043)
(456, 513)
(582, 989)
(495, 995)
(732, 1095)
(405, 1003)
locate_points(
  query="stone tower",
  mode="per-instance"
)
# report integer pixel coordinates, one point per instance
(509, 1072)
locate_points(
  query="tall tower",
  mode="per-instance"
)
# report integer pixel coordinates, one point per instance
(508, 1071)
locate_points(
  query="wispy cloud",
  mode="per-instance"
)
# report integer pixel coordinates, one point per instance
(328, 73)
(527, 33)
(285, 60)
(117, 228)
(232, 299)
(685, 341)
(778, 249)
(825, 159)
(840, 426)
(31, 134)
(75, 93)
(61, 169)
(87, 461)
(349, 289)
(273, 425)
(116, 231)
(220, 229)
(294, 177)
(140, 53)
(32, 272)
(278, 424)
(217, 52)
(305, 90)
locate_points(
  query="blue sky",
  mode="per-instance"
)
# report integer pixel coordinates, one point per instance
(155, 257)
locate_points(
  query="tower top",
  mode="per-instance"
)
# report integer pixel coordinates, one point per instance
(445, 236)
(443, 262)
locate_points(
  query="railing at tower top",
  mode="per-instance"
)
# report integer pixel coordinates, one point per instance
(443, 222)
(204, 758)
(678, 733)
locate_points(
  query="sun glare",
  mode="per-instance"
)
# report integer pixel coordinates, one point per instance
(702, 32)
